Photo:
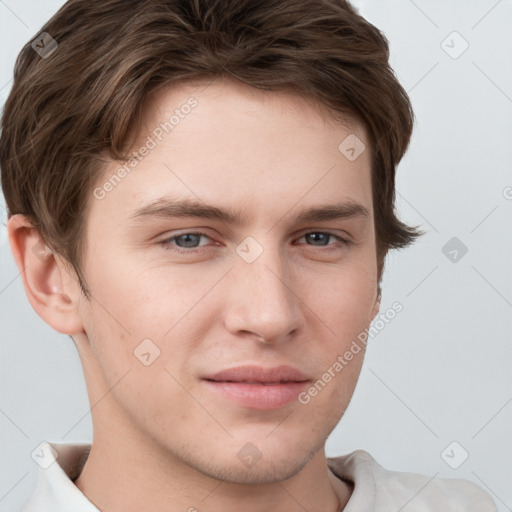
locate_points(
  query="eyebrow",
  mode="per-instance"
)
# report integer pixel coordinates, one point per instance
(186, 208)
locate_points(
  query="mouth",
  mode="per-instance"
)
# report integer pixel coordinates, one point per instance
(255, 382)
(259, 375)
(256, 387)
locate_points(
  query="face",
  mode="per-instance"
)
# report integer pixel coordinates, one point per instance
(230, 267)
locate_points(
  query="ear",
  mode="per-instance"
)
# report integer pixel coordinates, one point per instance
(51, 290)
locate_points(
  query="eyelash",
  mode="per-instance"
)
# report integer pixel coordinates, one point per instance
(167, 243)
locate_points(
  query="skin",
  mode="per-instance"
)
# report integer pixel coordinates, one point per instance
(162, 440)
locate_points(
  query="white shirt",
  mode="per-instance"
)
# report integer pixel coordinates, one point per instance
(375, 489)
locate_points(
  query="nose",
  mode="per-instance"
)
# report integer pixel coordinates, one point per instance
(261, 302)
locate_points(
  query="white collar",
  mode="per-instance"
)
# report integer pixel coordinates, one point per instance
(60, 464)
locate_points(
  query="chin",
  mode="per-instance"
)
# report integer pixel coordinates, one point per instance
(264, 472)
(275, 462)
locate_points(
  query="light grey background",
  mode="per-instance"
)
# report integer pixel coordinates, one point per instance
(440, 371)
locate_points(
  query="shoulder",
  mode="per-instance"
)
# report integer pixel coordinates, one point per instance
(382, 489)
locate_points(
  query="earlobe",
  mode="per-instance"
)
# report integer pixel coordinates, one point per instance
(53, 299)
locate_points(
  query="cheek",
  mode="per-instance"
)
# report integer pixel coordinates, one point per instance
(139, 316)
(345, 299)
(148, 299)
(351, 311)
(127, 305)
(115, 321)
(343, 306)
(141, 371)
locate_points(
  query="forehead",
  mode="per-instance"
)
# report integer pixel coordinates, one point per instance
(227, 100)
(226, 142)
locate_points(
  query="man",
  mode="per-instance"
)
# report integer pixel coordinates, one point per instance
(201, 194)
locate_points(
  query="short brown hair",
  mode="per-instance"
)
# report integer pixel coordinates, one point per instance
(85, 99)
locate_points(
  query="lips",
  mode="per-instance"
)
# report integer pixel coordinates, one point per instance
(260, 388)
(259, 375)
